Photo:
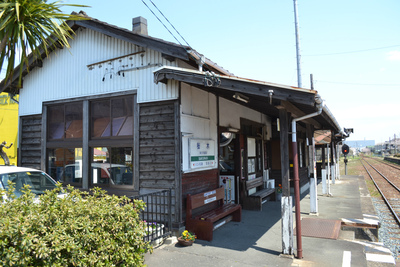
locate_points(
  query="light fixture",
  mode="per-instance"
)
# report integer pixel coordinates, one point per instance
(270, 93)
(233, 130)
(241, 97)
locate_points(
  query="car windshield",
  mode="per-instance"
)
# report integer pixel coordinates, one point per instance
(38, 181)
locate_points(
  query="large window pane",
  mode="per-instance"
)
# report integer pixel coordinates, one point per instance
(122, 116)
(73, 120)
(100, 119)
(65, 165)
(56, 122)
(111, 166)
(65, 121)
(112, 117)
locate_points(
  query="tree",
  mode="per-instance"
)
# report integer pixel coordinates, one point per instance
(34, 26)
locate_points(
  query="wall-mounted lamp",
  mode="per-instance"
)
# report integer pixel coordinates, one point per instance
(241, 97)
(233, 130)
(270, 92)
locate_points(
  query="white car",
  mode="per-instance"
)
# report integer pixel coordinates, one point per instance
(38, 181)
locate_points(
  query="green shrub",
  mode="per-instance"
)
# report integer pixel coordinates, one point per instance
(79, 229)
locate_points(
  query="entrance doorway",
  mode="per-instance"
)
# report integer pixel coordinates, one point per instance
(229, 167)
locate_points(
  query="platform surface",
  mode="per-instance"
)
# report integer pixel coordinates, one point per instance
(257, 239)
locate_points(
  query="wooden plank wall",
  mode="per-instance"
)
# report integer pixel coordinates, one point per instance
(30, 142)
(157, 146)
(159, 150)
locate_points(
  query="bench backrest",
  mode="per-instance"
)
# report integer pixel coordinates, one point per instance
(254, 183)
(202, 199)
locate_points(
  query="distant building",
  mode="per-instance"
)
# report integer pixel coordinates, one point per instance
(388, 147)
(360, 144)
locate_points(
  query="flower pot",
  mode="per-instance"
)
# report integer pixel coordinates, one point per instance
(184, 242)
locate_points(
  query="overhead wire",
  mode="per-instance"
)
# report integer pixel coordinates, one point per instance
(188, 45)
(170, 23)
(162, 23)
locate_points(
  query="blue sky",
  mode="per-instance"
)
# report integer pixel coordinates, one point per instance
(352, 48)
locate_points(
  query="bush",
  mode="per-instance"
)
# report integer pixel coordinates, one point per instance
(79, 229)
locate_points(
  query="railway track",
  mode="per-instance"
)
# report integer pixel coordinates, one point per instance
(387, 181)
(391, 164)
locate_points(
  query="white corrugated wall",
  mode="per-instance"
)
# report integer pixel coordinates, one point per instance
(65, 74)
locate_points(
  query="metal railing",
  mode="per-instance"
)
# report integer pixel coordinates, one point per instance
(157, 214)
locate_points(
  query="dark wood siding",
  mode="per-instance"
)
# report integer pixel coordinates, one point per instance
(157, 146)
(159, 151)
(30, 141)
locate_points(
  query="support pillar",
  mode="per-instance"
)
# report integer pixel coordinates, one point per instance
(287, 212)
(328, 170)
(313, 183)
(324, 186)
(287, 219)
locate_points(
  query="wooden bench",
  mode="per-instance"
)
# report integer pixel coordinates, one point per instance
(213, 213)
(254, 201)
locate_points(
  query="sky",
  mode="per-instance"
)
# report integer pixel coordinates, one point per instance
(352, 48)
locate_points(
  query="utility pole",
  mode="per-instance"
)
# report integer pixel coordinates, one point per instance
(299, 83)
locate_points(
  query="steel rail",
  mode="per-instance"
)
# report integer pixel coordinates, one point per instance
(389, 164)
(380, 191)
(390, 182)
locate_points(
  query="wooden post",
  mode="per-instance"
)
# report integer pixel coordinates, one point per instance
(286, 204)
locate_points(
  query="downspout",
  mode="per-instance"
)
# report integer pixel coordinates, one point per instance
(318, 101)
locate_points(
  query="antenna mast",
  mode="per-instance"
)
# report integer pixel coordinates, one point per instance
(299, 84)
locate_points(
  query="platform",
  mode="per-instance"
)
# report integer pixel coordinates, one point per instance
(257, 239)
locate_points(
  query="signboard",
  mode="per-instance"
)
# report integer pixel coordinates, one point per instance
(202, 154)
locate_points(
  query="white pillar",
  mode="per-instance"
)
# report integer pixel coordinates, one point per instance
(313, 183)
(323, 175)
(328, 170)
(287, 225)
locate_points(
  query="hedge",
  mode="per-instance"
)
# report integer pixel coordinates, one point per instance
(72, 229)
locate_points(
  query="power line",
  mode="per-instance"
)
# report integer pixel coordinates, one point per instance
(186, 48)
(351, 52)
(170, 23)
(162, 23)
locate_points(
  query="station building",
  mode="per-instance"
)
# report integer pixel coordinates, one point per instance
(135, 114)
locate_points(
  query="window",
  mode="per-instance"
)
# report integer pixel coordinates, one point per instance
(109, 139)
(226, 154)
(111, 166)
(254, 157)
(65, 165)
(112, 117)
(65, 121)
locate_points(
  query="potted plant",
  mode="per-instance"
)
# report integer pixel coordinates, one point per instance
(187, 238)
(279, 192)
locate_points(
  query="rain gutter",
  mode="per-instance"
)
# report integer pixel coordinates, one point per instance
(318, 101)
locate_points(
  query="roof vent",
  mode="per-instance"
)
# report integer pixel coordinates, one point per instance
(139, 25)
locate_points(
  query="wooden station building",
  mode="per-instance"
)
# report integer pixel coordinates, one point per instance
(135, 114)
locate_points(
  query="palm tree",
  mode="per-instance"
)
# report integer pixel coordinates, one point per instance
(31, 26)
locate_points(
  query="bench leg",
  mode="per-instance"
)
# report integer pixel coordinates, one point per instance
(237, 215)
(202, 229)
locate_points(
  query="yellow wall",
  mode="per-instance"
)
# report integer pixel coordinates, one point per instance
(9, 126)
